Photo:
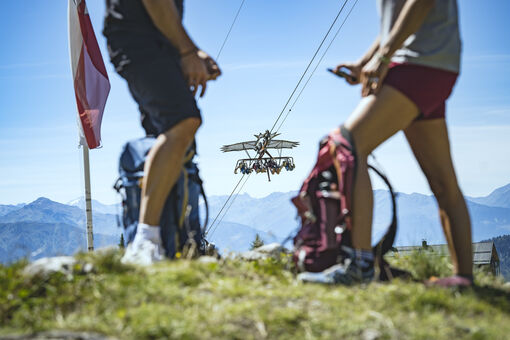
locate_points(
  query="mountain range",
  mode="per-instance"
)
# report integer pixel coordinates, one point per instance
(418, 218)
(47, 228)
(97, 206)
(47, 211)
(34, 240)
(44, 227)
(498, 198)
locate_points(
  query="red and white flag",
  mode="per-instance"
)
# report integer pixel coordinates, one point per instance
(91, 83)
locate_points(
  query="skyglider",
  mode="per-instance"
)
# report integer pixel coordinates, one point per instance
(263, 161)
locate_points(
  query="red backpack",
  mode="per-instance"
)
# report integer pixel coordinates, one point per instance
(324, 205)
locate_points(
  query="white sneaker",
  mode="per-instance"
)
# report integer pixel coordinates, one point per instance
(143, 252)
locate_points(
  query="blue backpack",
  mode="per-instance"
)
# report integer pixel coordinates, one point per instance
(181, 232)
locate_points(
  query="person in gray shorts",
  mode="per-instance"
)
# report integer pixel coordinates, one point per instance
(164, 69)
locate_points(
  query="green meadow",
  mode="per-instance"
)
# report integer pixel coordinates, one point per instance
(233, 299)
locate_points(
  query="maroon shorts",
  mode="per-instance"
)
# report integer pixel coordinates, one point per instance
(427, 87)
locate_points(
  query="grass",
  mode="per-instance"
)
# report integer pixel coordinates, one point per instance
(246, 300)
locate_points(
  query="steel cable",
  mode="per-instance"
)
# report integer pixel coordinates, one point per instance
(316, 66)
(214, 224)
(229, 31)
(230, 205)
(217, 58)
(223, 207)
(309, 64)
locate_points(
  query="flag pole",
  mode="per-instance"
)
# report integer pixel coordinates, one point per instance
(88, 197)
(91, 87)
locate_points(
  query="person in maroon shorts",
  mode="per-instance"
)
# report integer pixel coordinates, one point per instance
(406, 77)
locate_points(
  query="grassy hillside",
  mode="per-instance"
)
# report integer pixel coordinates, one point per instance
(246, 300)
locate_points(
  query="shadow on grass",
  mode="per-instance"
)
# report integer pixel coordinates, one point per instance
(498, 298)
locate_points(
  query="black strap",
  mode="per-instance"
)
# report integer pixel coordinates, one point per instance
(386, 242)
(118, 185)
(387, 272)
(196, 178)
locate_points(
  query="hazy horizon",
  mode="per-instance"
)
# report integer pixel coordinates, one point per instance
(71, 202)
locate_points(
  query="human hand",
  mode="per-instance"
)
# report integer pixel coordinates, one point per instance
(355, 70)
(195, 71)
(212, 67)
(373, 74)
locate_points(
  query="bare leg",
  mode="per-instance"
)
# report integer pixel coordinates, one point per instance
(162, 168)
(376, 119)
(429, 142)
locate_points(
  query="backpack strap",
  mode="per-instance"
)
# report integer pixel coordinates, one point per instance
(204, 243)
(189, 156)
(185, 199)
(196, 178)
(202, 192)
(386, 242)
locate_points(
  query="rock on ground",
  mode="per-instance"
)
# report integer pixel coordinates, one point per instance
(58, 264)
(266, 251)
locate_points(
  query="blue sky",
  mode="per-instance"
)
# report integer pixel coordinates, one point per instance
(264, 58)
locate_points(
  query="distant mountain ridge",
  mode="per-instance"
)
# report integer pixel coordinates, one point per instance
(273, 214)
(47, 228)
(498, 198)
(34, 240)
(44, 208)
(272, 217)
(5, 209)
(96, 206)
(235, 237)
(47, 211)
(418, 217)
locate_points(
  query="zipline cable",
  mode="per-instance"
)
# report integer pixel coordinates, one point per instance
(309, 64)
(285, 106)
(223, 207)
(232, 202)
(229, 30)
(230, 205)
(316, 66)
(217, 58)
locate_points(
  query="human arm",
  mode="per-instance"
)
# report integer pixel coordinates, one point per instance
(196, 65)
(410, 19)
(356, 67)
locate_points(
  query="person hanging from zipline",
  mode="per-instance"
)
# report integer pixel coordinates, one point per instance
(164, 69)
(406, 77)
